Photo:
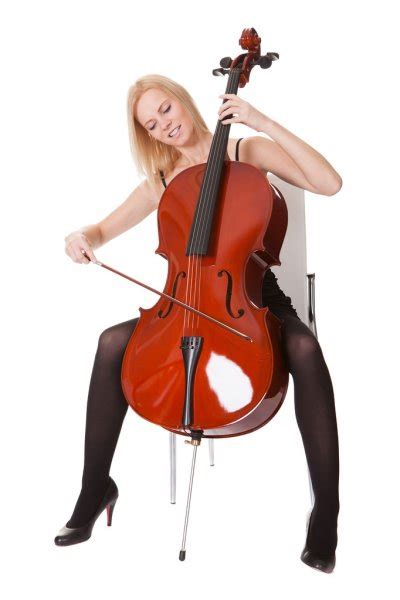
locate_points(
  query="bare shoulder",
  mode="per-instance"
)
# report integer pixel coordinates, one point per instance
(253, 151)
(144, 195)
(149, 193)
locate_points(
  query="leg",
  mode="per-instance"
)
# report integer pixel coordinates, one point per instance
(106, 410)
(316, 418)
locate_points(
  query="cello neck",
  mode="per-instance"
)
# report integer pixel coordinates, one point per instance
(210, 186)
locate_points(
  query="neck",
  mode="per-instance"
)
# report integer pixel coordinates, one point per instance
(196, 150)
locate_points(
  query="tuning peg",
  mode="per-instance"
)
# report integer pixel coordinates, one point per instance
(220, 71)
(265, 61)
(225, 62)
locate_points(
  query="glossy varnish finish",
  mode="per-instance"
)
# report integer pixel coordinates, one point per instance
(238, 385)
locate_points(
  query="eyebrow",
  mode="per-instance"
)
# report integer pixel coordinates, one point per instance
(159, 108)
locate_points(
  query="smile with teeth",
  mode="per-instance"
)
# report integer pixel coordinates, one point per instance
(174, 131)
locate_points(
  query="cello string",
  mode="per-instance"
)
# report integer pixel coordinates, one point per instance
(219, 136)
(191, 286)
(192, 281)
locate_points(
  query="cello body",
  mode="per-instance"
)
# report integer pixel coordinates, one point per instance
(179, 370)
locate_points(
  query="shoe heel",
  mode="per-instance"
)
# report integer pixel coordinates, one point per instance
(110, 510)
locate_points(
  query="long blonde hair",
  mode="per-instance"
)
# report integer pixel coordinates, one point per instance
(151, 155)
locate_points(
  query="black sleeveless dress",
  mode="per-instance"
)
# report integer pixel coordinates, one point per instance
(272, 295)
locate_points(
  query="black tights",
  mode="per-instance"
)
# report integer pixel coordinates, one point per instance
(315, 415)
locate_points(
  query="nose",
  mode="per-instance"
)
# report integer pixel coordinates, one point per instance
(167, 124)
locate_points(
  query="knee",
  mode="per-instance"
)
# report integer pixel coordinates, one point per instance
(107, 339)
(114, 339)
(302, 349)
(108, 348)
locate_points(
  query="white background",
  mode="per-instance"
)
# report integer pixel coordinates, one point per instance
(65, 163)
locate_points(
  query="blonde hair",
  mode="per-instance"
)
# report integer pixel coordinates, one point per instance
(151, 155)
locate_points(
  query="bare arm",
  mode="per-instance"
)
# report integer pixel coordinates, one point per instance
(291, 159)
(138, 205)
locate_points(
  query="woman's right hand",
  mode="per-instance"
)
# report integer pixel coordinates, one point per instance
(75, 242)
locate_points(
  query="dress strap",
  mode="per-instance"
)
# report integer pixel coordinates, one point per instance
(237, 149)
(162, 177)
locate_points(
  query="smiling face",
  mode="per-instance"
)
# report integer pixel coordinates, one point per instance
(160, 114)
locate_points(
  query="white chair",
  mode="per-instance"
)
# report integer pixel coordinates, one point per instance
(295, 282)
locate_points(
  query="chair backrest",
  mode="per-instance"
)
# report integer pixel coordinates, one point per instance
(292, 273)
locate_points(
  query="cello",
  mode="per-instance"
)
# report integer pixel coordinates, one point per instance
(206, 361)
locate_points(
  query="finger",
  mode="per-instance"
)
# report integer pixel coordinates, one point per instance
(228, 107)
(228, 113)
(89, 252)
(227, 96)
(234, 120)
(77, 255)
(74, 254)
(84, 259)
(225, 105)
(233, 108)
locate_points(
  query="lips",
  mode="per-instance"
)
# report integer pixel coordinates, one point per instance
(175, 131)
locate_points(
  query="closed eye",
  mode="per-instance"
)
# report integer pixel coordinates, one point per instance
(164, 111)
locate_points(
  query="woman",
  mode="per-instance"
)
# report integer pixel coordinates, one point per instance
(168, 135)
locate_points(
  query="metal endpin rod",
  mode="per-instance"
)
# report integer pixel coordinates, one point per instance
(182, 553)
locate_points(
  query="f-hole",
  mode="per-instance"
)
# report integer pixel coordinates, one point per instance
(229, 295)
(182, 274)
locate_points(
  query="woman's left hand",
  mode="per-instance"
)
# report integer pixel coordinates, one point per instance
(245, 112)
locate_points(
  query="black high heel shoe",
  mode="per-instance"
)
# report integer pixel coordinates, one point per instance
(74, 535)
(309, 558)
